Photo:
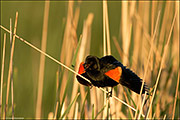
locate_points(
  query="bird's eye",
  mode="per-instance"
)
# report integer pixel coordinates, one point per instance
(95, 66)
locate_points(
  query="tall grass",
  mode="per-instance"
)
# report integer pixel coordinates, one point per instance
(2, 74)
(11, 68)
(42, 61)
(148, 44)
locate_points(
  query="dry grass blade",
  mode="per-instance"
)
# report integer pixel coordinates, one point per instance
(12, 92)
(164, 117)
(162, 63)
(12, 98)
(163, 31)
(86, 38)
(137, 41)
(146, 34)
(146, 69)
(175, 99)
(177, 87)
(76, 111)
(118, 47)
(2, 72)
(81, 53)
(152, 28)
(95, 100)
(126, 30)
(142, 106)
(67, 48)
(42, 61)
(131, 113)
(58, 62)
(104, 28)
(120, 101)
(106, 38)
(10, 64)
(107, 30)
(55, 114)
(69, 106)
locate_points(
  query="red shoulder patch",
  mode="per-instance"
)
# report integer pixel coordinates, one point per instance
(81, 68)
(115, 74)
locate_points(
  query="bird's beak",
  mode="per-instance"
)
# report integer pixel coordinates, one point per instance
(86, 66)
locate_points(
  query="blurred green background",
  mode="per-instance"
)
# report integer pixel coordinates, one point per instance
(26, 59)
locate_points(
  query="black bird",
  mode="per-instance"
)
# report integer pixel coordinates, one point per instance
(109, 72)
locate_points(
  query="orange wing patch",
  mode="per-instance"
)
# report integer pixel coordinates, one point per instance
(115, 74)
(81, 68)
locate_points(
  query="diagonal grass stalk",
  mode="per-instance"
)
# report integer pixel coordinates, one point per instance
(55, 60)
(10, 65)
(162, 63)
(146, 69)
(69, 107)
(176, 96)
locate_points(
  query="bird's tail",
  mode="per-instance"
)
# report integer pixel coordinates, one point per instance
(133, 82)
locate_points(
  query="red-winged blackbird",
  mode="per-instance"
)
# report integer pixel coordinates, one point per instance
(108, 72)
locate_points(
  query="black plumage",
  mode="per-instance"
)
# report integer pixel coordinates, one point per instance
(107, 71)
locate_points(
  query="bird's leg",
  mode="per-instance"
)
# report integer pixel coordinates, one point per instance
(146, 100)
(91, 86)
(109, 94)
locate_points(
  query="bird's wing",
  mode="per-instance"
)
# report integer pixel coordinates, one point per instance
(132, 81)
(114, 74)
(108, 59)
(119, 73)
(110, 68)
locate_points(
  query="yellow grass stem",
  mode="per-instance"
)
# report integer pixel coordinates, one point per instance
(67, 50)
(131, 113)
(42, 61)
(164, 118)
(2, 73)
(10, 64)
(81, 53)
(142, 106)
(164, 29)
(158, 57)
(176, 97)
(104, 54)
(76, 111)
(107, 29)
(118, 47)
(106, 38)
(12, 98)
(152, 29)
(146, 69)
(153, 117)
(55, 114)
(126, 30)
(104, 28)
(162, 63)
(12, 92)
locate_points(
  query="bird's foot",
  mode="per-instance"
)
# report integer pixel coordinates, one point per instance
(109, 94)
(90, 86)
